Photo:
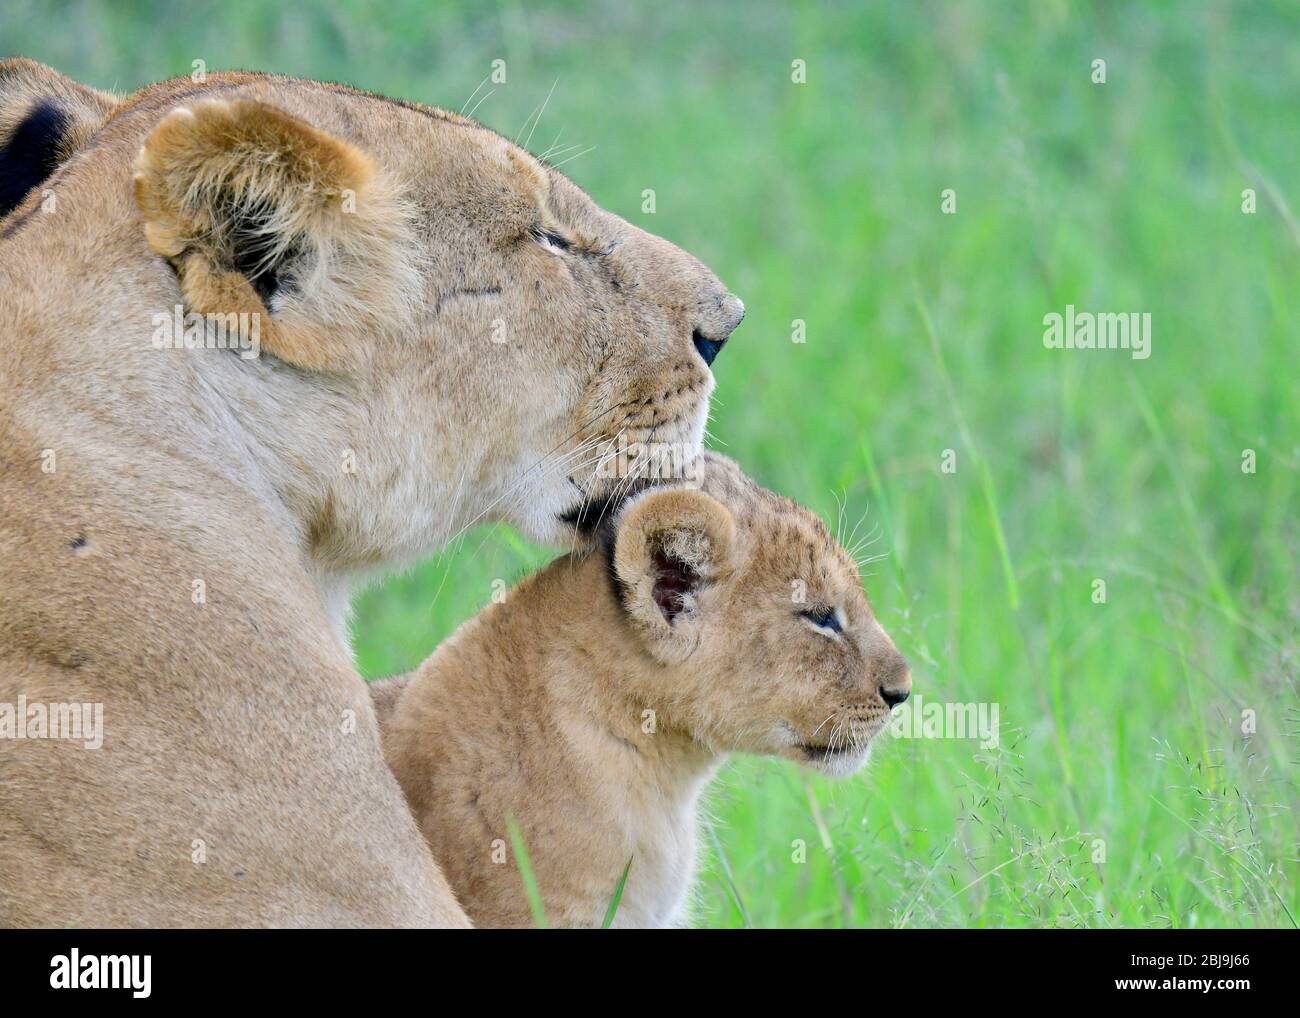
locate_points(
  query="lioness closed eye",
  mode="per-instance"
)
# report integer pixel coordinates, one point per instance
(264, 338)
(594, 704)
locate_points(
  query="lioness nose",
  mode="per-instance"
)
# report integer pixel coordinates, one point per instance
(708, 348)
(708, 338)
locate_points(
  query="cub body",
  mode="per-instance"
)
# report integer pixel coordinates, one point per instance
(594, 704)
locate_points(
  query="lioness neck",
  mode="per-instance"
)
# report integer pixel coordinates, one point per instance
(313, 455)
(545, 685)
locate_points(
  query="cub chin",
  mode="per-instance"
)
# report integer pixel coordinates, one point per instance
(593, 705)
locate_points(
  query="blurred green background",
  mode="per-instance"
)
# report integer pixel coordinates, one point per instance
(1124, 791)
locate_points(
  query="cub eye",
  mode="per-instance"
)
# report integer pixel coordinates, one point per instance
(550, 240)
(824, 618)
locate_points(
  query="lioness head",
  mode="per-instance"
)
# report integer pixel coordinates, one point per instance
(507, 333)
(449, 330)
(764, 639)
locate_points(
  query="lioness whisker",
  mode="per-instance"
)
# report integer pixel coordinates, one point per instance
(541, 113)
(475, 92)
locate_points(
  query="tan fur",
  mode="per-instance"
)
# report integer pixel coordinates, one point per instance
(577, 708)
(240, 779)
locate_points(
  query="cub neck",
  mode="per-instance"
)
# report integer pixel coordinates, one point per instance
(616, 733)
(601, 684)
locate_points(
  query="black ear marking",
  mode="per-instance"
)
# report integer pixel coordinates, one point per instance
(249, 261)
(251, 244)
(31, 153)
(674, 579)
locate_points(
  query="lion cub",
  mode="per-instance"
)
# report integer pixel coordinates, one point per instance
(594, 704)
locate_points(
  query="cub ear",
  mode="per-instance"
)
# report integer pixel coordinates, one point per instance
(670, 545)
(45, 117)
(261, 213)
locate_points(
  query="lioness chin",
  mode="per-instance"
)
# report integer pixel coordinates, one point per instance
(427, 327)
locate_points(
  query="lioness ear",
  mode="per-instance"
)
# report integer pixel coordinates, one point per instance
(670, 545)
(44, 118)
(261, 213)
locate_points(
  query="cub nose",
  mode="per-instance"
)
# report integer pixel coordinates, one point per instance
(709, 337)
(895, 680)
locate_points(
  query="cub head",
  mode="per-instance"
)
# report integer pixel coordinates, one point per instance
(753, 623)
(500, 335)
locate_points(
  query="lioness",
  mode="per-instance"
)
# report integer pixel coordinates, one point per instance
(595, 702)
(262, 338)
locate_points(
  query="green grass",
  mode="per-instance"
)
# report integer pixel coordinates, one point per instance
(1124, 792)
(526, 877)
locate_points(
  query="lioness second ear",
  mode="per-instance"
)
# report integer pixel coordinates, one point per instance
(262, 213)
(670, 545)
(45, 117)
